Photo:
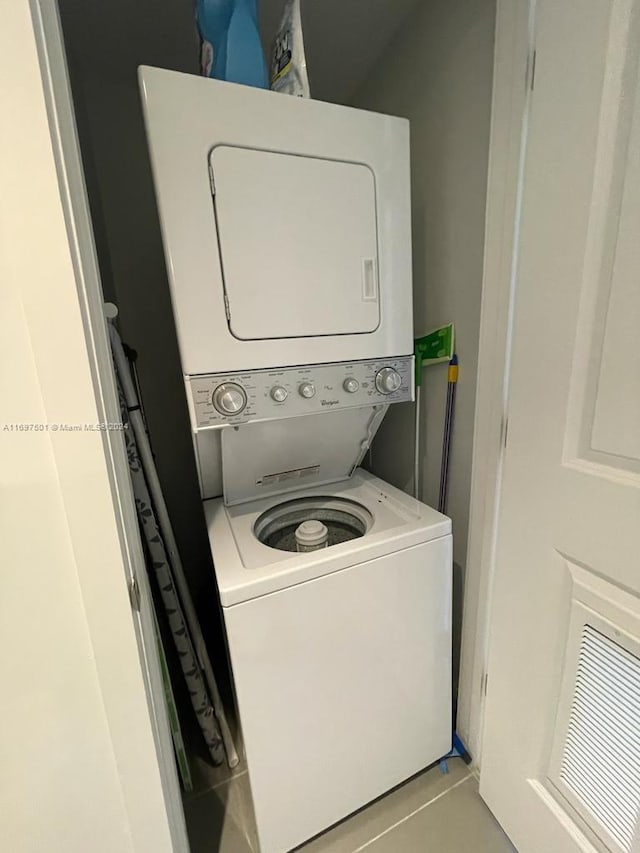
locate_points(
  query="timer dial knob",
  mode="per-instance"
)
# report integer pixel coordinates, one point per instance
(279, 394)
(388, 380)
(229, 398)
(307, 390)
(350, 385)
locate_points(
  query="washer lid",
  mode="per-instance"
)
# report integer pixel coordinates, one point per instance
(275, 457)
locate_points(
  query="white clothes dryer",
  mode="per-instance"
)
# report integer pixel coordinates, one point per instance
(286, 225)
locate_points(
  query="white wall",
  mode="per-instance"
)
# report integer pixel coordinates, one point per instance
(437, 71)
(72, 684)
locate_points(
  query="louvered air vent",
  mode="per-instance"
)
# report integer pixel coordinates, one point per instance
(601, 757)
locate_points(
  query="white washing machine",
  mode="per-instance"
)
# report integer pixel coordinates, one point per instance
(341, 657)
(286, 228)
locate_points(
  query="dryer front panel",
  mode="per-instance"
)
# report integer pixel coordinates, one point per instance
(286, 225)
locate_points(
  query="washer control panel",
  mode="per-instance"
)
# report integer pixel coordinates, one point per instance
(259, 395)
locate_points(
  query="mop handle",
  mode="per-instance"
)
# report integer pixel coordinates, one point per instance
(448, 428)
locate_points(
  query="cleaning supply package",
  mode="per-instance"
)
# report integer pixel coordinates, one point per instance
(230, 42)
(288, 63)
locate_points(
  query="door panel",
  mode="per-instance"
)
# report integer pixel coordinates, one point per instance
(615, 428)
(298, 244)
(567, 583)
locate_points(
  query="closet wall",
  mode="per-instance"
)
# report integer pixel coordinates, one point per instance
(437, 72)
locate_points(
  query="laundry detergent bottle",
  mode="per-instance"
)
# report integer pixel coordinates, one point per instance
(231, 47)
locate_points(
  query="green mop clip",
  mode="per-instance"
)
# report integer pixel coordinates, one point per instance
(434, 347)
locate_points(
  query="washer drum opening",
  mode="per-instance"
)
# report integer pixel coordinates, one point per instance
(345, 520)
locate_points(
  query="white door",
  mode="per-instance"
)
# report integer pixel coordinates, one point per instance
(561, 749)
(298, 243)
(90, 764)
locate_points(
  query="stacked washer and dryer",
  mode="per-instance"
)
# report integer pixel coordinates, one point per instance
(286, 228)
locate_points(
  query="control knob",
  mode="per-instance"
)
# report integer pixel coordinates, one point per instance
(350, 385)
(388, 380)
(307, 390)
(279, 394)
(229, 398)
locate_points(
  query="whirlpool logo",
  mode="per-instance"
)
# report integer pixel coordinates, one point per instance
(329, 402)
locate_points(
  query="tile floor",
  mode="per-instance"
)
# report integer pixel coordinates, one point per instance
(431, 812)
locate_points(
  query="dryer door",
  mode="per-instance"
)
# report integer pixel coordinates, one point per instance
(298, 244)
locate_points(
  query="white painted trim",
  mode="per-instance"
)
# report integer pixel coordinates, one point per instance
(128, 666)
(511, 88)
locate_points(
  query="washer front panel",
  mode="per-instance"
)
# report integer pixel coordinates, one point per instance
(340, 684)
(292, 391)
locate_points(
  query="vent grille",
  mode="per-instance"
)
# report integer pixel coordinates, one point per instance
(601, 757)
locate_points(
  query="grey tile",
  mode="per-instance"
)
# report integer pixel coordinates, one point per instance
(204, 774)
(240, 807)
(212, 822)
(366, 824)
(458, 822)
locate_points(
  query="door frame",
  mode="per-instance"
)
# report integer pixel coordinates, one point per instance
(513, 75)
(148, 775)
